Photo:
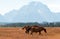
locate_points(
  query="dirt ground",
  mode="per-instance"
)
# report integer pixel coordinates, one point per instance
(18, 33)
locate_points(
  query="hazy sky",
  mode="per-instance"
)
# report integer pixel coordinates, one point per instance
(9, 5)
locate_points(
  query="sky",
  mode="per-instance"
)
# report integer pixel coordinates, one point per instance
(9, 5)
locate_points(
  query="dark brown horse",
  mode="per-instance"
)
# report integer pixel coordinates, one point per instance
(34, 28)
(27, 28)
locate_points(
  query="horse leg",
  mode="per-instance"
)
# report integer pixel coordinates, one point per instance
(27, 32)
(31, 33)
(39, 32)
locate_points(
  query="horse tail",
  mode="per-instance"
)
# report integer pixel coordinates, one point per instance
(45, 31)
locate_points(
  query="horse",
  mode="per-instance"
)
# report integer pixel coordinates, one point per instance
(27, 29)
(37, 29)
(34, 28)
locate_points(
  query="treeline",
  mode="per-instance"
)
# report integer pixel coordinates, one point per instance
(44, 24)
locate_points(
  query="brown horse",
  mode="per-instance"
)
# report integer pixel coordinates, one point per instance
(37, 29)
(34, 28)
(27, 28)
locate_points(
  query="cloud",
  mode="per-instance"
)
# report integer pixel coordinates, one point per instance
(8, 5)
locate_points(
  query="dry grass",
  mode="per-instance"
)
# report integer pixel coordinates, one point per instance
(18, 33)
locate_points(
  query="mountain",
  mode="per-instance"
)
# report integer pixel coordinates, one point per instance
(33, 12)
(10, 15)
(2, 19)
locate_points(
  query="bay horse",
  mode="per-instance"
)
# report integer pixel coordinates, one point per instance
(33, 29)
(36, 29)
(27, 29)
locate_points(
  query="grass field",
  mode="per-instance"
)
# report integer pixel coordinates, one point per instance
(18, 33)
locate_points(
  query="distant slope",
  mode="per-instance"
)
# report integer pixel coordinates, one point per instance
(2, 18)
